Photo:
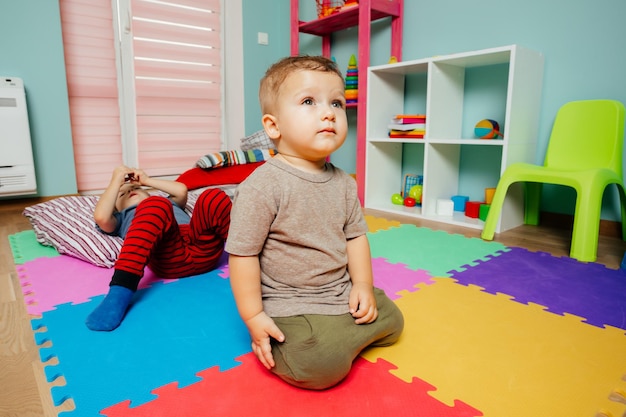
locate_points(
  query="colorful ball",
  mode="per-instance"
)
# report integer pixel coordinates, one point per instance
(397, 199)
(416, 193)
(487, 129)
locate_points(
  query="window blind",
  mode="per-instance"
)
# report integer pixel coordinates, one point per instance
(89, 50)
(178, 82)
(173, 94)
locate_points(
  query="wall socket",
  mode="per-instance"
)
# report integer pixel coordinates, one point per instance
(263, 38)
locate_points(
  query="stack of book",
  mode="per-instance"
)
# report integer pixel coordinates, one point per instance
(408, 126)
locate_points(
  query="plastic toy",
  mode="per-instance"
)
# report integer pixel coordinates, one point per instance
(352, 81)
(459, 202)
(397, 199)
(409, 181)
(489, 192)
(483, 211)
(416, 193)
(472, 209)
(445, 207)
(487, 129)
(350, 3)
(328, 7)
(410, 202)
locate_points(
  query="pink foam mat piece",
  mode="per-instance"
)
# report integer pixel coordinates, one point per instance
(48, 282)
(393, 278)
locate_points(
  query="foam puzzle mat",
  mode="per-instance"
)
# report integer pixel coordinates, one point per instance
(489, 331)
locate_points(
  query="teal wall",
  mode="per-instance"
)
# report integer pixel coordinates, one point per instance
(583, 43)
(31, 48)
(271, 17)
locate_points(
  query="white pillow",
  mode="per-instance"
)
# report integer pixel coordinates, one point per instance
(67, 224)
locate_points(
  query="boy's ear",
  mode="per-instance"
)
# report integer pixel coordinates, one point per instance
(270, 126)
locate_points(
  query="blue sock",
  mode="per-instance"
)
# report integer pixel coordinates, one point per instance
(110, 313)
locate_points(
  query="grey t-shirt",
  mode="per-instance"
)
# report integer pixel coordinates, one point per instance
(298, 224)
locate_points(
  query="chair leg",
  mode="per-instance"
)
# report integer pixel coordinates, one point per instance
(622, 199)
(491, 222)
(586, 224)
(532, 200)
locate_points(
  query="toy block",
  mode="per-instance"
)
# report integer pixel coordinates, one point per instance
(483, 211)
(472, 209)
(489, 192)
(445, 207)
(459, 202)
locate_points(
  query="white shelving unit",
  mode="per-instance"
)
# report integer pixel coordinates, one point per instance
(444, 96)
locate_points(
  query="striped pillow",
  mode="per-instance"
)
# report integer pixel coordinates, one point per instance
(67, 224)
(229, 158)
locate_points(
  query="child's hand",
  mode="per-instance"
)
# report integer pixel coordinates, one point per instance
(363, 303)
(120, 175)
(261, 328)
(137, 176)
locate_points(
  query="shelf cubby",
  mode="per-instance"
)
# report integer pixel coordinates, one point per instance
(452, 90)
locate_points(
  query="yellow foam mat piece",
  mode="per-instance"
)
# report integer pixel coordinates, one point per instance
(378, 223)
(505, 358)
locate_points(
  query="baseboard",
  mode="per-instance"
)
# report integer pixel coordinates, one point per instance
(566, 221)
(557, 220)
(21, 202)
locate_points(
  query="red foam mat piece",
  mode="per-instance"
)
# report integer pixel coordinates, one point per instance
(248, 389)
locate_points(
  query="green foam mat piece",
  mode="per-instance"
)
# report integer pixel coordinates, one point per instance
(431, 250)
(25, 247)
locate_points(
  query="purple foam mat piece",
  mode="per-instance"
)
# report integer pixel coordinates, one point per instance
(562, 285)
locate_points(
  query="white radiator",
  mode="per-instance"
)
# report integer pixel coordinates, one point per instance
(17, 167)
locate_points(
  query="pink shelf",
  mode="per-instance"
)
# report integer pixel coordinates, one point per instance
(360, 16)
(349, 18)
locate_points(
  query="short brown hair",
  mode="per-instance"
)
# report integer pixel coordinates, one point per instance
(278, 72)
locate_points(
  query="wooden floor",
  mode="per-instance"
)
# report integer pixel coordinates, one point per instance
(23, 389)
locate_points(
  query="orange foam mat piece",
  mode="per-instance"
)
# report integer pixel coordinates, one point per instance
(506, 358)
(378, 223)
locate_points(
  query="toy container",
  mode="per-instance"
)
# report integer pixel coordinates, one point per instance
(328, 7)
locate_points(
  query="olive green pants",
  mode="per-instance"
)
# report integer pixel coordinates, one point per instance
(318, 350)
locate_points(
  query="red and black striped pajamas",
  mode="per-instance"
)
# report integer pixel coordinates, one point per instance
(155, 239)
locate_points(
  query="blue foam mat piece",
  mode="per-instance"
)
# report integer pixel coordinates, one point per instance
(172, 331)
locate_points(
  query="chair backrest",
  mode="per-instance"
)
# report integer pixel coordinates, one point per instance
(587, 134)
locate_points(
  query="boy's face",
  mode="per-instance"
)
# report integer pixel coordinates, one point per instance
(310, 117)
(130, 195)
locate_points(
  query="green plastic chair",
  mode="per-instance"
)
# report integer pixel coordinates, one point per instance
(585, 153)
